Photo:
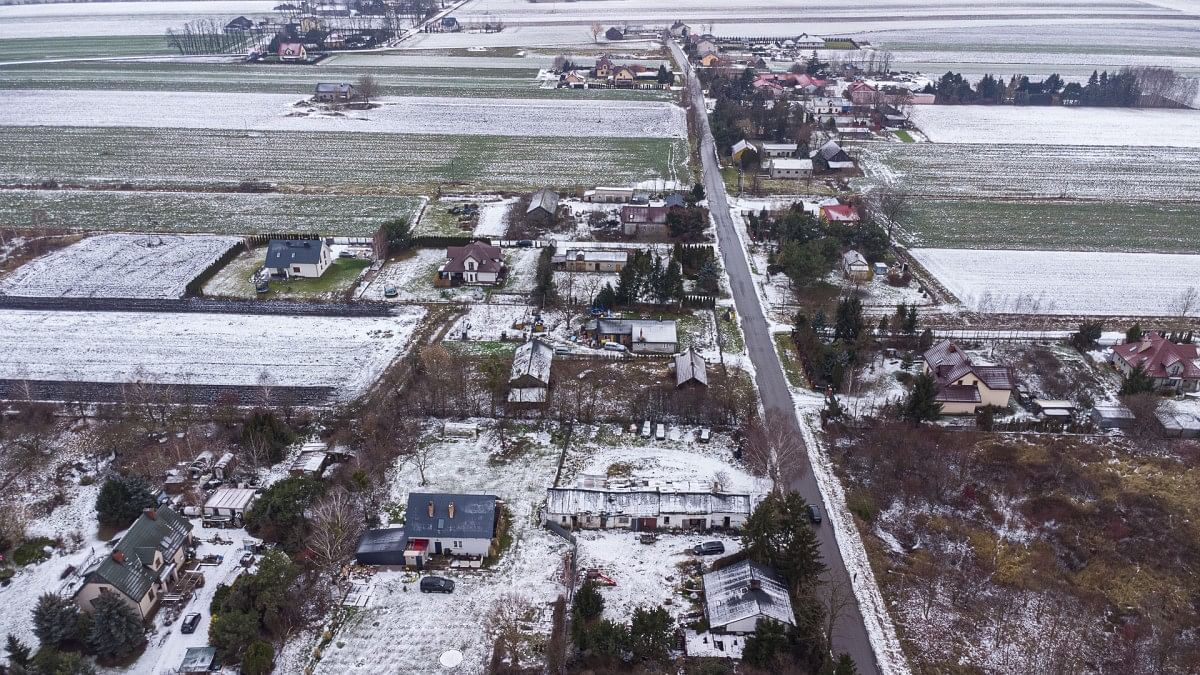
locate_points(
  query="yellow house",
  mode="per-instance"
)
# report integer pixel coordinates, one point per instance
(710, 60)
(962, 386)
(142, 566)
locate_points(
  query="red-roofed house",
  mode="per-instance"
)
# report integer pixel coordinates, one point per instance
(292, 51)
(861, 93)
(963, 386)
(476, 263)
(1170, 365)
(839, 213)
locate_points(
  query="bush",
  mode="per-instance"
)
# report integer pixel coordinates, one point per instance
(266, 435)
(260, 657)
(31, 551)
(122, 500)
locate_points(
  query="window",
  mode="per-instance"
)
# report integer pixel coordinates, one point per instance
(457, 544)
(622, 520)
(152, 594)
(296, 268)
(666, 520)
(564, 519)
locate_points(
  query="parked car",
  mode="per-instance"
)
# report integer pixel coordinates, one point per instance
(709, 548)
(705, 435)
(346, 254)
(646, 429)
(562, 349)
(614, 347)
(189, 623)
(436, 585)
(660, 432)
(390, 292)
(525, 243)
(814, 514)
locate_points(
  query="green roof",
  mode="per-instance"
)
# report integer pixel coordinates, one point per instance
(165, 533)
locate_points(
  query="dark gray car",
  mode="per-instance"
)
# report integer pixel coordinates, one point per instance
(709, 548)
(814, 514)
(436, 585)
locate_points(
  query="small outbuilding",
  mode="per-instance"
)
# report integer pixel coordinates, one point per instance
(855, 266)
(198, 661)
(543, 207)
(790, 168)
(334, 92)
(738, 597)
(1112, 417)
(228, 506)
(529, 382)
(614, 33)
(690, 369)
(383, 546)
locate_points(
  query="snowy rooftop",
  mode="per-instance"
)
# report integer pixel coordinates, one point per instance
(532, 359)
(743, 591)
(645, 500)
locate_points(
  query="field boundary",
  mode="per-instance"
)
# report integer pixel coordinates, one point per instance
(196, 306)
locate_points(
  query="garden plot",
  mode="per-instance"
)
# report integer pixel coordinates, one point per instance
(395, 115)
(216, 212)
(493, 218)
(411, 163)
(118, 266)
(412, 278)
(347, 353)
(488, 322)
(405, 631)
(1032, 125)
(1065, 282)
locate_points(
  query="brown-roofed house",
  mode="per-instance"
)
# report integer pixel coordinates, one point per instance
(476, 263)
(963, 386)
(1169, 365)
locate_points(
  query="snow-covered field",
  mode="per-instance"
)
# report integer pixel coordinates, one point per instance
(347, 353)
(118, 266)
(405, 631)
(1065, 282)
(119, 18)
(1058, 125)
(397, 115)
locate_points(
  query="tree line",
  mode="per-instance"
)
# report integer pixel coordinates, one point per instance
(1143, 86)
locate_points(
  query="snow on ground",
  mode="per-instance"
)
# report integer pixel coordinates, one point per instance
(119, 18)
(1064, 282)
(646, 574)
(396, 115)
(347, 353)
(119, 266)
(1039, 125)
(412, 278)
(405, 631)
(490, 322)
(493, 218)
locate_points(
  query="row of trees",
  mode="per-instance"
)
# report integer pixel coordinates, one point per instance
(807, 248)
(1152, 86)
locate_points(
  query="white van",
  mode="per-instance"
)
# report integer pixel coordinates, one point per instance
(646, 429)
(660, 433)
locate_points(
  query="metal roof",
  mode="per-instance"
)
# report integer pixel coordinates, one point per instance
(197, 659)
(382, 540)
(596, 256)
(532, 359)
(690, 365)
(545, 199)
(639, 330)
(745, 590)
(285, 252)
(474, 516)
(163, 533)
(644, 502)
(231, 498)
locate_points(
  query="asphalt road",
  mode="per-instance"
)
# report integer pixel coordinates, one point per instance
(849, 634)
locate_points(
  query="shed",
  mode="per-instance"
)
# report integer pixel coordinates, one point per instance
(530, 376)
(855, 266)
(231, 503)
(384, 546)
(460, 429)
(690, 369)
(1112, 417)
(198, 660)
(544, 201)
(1178, 424)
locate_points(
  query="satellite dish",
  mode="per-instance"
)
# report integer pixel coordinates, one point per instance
(451, 658)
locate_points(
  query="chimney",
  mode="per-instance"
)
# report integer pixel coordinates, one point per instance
(151, 514)
(755, 585)
(118, 556)
(430, 508)
(451, 509)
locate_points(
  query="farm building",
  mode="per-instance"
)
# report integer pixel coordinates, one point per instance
(529, 381)
(543, 207)
(614, 33)
(831, 157)
(855, 266)
(608, 195)
(790, 168)
(690, 369)
(1112, 417)
(962, 386)
(598, 502)
(228, 506)
(238, 25)
(737, 597)
(577, 260)
(777, 150)
(1171, 366)
(476, 263)
(334, 92)
(301, 258)
(638, 335)
(143, 565)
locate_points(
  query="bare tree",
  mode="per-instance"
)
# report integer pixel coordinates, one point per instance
(1184, 304)
(597, 29)
(265, 387)
(837, 598)
(774, 451)
(889, 206)
(336, 523)
(503, 625)
(420, 458)
(367, 87)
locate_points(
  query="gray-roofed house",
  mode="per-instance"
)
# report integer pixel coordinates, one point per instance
(543, 207)
(580, 260)
(831, 157)
(963, 386)
(599, 502)
(641, 336)
(450, 524)
(529, 382)
(334, 92)
(476, 263)
(143, 565)
(303, 258)
(737, 597)
(690, 369)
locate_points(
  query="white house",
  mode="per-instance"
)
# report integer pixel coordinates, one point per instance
(529, 381)
(450, 524)
(790, 168)
(855, 266)
(476, 263)
(598, 502)
(303, 258)
(738, 597)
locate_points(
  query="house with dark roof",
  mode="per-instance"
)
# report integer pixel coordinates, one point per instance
(334, 92)
(831, 157)
(302, 258)
(143, 565)
(238, 25)
(435, 524)
(690, 369)
(476, 263)
(1170, 366)
(543, 207)
(450, 24)
(529, 381)
(640, 336)
(738, 597)
(963, 386)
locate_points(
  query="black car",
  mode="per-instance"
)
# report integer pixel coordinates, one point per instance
(525, 243)
(189, 623)
(814, 515)
(436, 585)
(709, 548)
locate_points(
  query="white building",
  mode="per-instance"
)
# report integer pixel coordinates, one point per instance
(790, 168)
(529, 381)
(229, 505)
(303, 258)
(597, 502)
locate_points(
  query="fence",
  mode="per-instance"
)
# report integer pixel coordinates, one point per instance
(162, 394)
(197, 306)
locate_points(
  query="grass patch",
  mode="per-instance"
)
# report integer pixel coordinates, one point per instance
(904, 136)
(437, 221)
(30, 551)
(234, 279)
(789, 359)
(84, 46)
(731, 332)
